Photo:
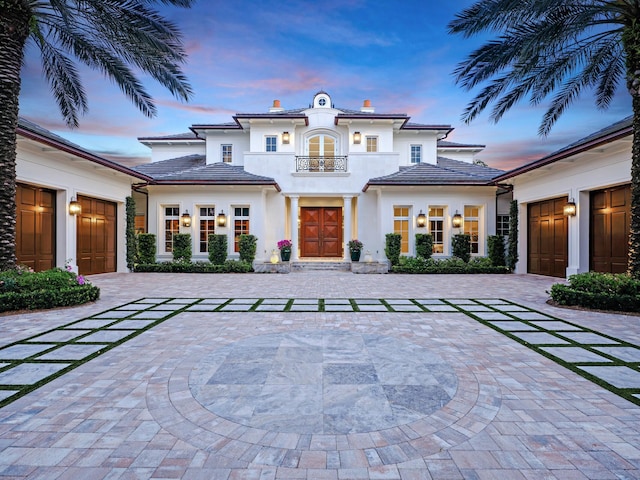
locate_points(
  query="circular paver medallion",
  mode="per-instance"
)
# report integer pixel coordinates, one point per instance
(329, 382)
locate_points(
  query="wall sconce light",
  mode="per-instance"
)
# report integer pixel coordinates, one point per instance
(186, 219)
(285, 138)
(74, 207)
(221, 219)
(456, 221)
(570, 209)
(357, 138)
(421, 220)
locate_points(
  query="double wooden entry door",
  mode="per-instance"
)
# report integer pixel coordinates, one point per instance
(321, 231)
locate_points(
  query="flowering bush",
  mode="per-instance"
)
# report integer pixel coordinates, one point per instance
(355, 245)
(285, 245)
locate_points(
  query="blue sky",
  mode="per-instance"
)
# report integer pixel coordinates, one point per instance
(244, 54)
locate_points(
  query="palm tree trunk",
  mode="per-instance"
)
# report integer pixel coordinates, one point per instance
(634, 235)
(14, 29)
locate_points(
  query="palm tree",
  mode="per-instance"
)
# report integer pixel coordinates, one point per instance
(559, 47)
(114, 36)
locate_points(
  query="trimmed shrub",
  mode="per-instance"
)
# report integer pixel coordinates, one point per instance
(392, 248)
(146, 248)
(217, 249)
(229, 266)
(602, 291)
(451, 265)
(424, 245)
(461, 246)
(512, 249)
(495, 245)
(132, 251)
(247, 245)
(182, 247)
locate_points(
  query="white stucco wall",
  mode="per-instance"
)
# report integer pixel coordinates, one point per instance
(166, 151)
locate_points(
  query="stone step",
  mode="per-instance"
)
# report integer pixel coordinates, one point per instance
(299, 266)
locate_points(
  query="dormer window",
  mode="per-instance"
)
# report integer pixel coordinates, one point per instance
(321, 100)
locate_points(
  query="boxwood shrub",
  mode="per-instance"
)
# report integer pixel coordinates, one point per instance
(424, 245)
(146, 247)
(229, 266)
(392, 248)
(446, 265)
(602, 291)
(182, 247)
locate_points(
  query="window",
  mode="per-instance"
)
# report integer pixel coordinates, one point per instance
(171, 226)
(227, 153)
(502, 225)
(436, 228)
(401, 226)
(207, 226)
(372, 144)
(272, 143)
(471, 226)
(416, 153)
(240, 225)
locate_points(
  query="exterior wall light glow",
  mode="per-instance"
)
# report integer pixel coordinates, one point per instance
(357, 138)
(456, 221)
(221, 219)
(74, 207)
(421, 220)
(285, 138)
(186, 219)
(570, 209)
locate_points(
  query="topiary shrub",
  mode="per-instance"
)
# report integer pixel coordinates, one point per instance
(512, 249)
(392, 248)
(247, 245)
(132, 251)
(461, 246)
(182, 247)
(424, 245)
(602, 291)
(146, 248)
(495, 245)
(217, 249)
(229, 266)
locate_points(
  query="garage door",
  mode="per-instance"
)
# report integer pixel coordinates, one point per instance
(35, 227)
(548, 234)
(96, 249)
(609, 230)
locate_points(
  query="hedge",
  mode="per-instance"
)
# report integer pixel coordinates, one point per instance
(230, 266)
(602, 291)
(39, 299)
(446, 265)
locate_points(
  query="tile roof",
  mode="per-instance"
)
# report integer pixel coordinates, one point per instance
(177, 136)
(447, 144)
(446, 172)
(192, 169)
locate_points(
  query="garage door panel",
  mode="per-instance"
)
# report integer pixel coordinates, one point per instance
(547, 246)
(96, 236)
(609, 229)
(35, 226)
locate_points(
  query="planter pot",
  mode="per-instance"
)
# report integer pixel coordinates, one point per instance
(355, 255)
(285, 255)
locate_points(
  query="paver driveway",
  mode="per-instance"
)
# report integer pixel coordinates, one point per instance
(324, 375)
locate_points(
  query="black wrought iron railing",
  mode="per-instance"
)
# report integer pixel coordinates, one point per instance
(321, 164)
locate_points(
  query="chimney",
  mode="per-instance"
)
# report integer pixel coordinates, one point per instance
(276, 107)
(366, 107)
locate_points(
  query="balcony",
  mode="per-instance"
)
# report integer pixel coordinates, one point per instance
(321, 164)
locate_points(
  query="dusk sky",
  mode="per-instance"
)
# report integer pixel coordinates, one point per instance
(244, 54)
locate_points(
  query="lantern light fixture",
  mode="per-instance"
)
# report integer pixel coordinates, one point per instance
(570, 208)
(421, 220)
(74, 207)
(221, 219)
(285, 138)
(456, 221)
(357, 138)
(186, 219)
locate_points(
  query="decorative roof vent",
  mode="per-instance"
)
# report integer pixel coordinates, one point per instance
(366, 107)
(276, 107)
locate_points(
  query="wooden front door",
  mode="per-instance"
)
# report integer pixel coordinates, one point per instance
(35, 227)
(609, 232)
(321, 231)
(548, 238)
(96, 252)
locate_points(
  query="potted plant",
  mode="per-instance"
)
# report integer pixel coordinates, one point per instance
(355, 248)
(285, 249)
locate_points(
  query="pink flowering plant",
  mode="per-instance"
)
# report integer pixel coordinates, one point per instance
(355, 245)
(285, 245)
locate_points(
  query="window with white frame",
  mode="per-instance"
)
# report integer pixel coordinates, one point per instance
(271, 143)
(436, 228)
(472, 226)
(502, 225)
(227, 153)
(416, 153)
(372, 144)
(171, 226)
(207, 219)
(401, 226)
(240, 225)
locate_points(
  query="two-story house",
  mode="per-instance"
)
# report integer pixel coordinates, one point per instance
(319, 176)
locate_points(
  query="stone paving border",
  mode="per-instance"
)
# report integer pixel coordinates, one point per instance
(30, 363)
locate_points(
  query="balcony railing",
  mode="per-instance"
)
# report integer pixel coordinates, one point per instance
(321, 164)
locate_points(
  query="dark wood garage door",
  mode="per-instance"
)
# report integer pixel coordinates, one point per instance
(96, 236)
(35, 227)
(609, 232)
(548, 238)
